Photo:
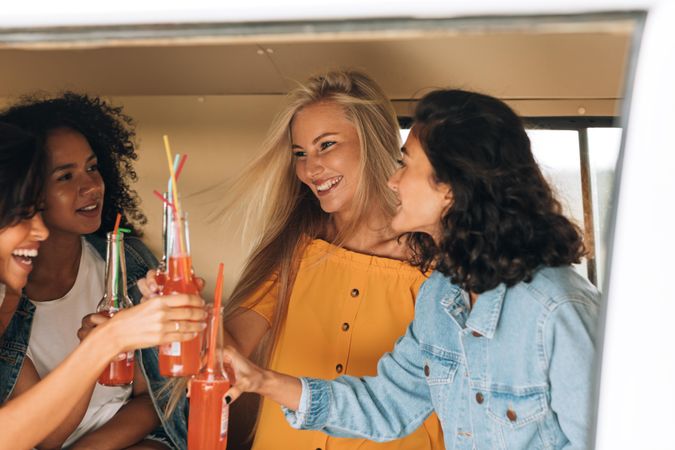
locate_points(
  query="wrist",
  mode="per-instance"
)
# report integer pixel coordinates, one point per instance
(283, 389)
(267, 382)
(106, 340)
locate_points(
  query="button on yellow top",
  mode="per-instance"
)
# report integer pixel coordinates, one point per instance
(312, 340)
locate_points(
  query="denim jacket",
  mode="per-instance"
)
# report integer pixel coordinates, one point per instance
(14, 344)
(513, 372)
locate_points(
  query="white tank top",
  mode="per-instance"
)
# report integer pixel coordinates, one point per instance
(54, 336)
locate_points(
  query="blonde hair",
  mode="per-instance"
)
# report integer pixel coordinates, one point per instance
(282, 211)
(283, 215)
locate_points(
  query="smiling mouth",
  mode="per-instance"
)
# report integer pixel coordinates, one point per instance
(328, 185)
(89, 209)
(25, 256)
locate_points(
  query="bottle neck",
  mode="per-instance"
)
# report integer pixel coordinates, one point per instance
(166, 220)
(115, 296)
(179, 262)
(215, 341)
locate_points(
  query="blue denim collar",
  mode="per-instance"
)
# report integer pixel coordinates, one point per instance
(486, 311)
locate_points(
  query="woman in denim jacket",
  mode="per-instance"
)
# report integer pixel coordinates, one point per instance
(502, 346)
(89, 152)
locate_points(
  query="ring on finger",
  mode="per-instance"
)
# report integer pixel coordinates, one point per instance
(177, 326)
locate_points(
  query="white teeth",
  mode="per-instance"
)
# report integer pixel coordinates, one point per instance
(328, 184)
(27, 253)
(89, 208)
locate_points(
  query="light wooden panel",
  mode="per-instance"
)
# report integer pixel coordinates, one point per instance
(519, 65)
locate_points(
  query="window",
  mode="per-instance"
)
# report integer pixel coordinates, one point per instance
(578, 159)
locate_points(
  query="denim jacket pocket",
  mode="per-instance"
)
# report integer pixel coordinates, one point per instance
(517, 408)
(440, 365)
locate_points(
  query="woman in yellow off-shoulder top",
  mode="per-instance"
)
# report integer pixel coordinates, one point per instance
(325, 290)
(346, 309)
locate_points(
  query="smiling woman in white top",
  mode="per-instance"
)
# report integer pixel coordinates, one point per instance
(89, 153)
(28, 418)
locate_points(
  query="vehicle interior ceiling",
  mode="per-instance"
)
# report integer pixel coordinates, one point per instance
(216, 95)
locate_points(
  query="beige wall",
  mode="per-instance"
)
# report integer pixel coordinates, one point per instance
(219, 134)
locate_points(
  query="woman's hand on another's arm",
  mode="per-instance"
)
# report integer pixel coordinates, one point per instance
(248, 377)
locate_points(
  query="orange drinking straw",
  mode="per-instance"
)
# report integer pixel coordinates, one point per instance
(117, 224)
(177, 211)
(211, 358)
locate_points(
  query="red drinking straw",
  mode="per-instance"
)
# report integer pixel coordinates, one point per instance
(211, 358)
(180, 165)
(162, 198)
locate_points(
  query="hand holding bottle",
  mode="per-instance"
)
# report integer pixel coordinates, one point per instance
(157, 321)
(248, 377)
(150, 287)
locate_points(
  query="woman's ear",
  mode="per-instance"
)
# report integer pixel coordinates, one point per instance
(448, 197)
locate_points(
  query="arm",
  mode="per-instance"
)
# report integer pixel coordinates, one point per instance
(391, 405)
(129, 425)
(569, 340)
(28, 377)
(152, 323)
(243, 331)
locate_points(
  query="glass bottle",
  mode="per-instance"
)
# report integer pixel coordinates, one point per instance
(209, 413)
(180, 359)
(115, 298)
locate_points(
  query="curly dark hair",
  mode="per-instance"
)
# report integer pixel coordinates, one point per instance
(504, 222)
(110, 134)
(21, 175)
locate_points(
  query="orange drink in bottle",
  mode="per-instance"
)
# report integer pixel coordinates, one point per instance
(119, 372)
(209, 413)
(180, 359)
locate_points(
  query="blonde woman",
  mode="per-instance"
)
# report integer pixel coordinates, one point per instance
(325, 290)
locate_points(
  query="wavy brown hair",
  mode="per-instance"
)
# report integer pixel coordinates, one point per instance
(504, 222)
(109, 132)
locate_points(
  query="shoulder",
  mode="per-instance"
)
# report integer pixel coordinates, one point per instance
(438, 285)
(552, 287)
(138, 248)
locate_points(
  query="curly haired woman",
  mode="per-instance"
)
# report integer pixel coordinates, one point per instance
(502, 347)
(28, 418)
(89, 151)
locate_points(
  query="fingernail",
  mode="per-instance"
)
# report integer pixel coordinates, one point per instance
(228, 399)
(202, 326)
